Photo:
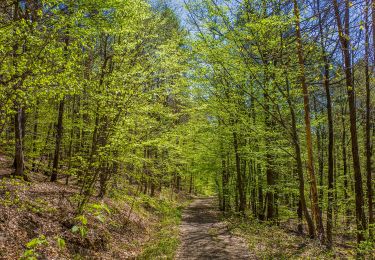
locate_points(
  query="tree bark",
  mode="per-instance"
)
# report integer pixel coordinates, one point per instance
(19, 163)
(319, 145)
(240, 182)
(368, 147)
(326, 84)
(310, 163)
(35, 135)
(345, 45)
(330, 150)
(344, 161)
(260, 193)
(225, 183)
(59, 134)
(301, 181)
(270, 174)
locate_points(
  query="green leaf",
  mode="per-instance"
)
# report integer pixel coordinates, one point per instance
(60, 243)
(75, 229)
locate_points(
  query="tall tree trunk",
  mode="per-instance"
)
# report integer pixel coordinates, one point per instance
(252, 182)
(240, 182)
(368, 147)
(301, 181)
(71, 136)
(320, 147)
(270, 178)
(191, 182)
(326, 84)
(225, 183)
(59, 130)
(270, 194)
(344, 161)
(330, 150)
(310, 163)
(19, 164)
(260, 193)
(35, 135)
(59, 134)
(345, 45)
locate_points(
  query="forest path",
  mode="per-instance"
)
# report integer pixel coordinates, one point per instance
(204, 236)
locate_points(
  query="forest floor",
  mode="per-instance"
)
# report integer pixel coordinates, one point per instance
(282, 241)
(38, 220)
(204, 236)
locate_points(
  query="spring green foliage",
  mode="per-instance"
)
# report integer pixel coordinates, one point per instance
(30, 253)
(81, 226)
(60, 242)
(118, 96)
(118, 67)
(250, 123)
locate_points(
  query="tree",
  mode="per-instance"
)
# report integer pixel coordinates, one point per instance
(343, 31)
(310, 164)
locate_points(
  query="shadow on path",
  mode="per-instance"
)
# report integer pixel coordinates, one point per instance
(203, 236)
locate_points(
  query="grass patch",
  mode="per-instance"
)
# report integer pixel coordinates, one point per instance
(165, 236)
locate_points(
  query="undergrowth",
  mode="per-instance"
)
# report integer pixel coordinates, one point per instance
(165, 236)
(275, 242)
(126, 224)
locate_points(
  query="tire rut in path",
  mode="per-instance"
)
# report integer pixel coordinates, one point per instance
(204, 236)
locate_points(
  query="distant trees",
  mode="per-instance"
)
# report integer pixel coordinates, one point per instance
(252, 57)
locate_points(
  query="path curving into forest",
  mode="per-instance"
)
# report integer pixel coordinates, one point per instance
(205, 236)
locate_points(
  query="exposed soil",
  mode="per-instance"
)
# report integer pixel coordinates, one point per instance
(205, 236)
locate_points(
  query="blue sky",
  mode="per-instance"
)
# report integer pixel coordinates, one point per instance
(177, 6)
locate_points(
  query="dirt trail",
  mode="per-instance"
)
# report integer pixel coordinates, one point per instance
(204, 236)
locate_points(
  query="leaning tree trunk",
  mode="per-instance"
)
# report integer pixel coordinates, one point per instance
(310, 161)
(301, 187)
